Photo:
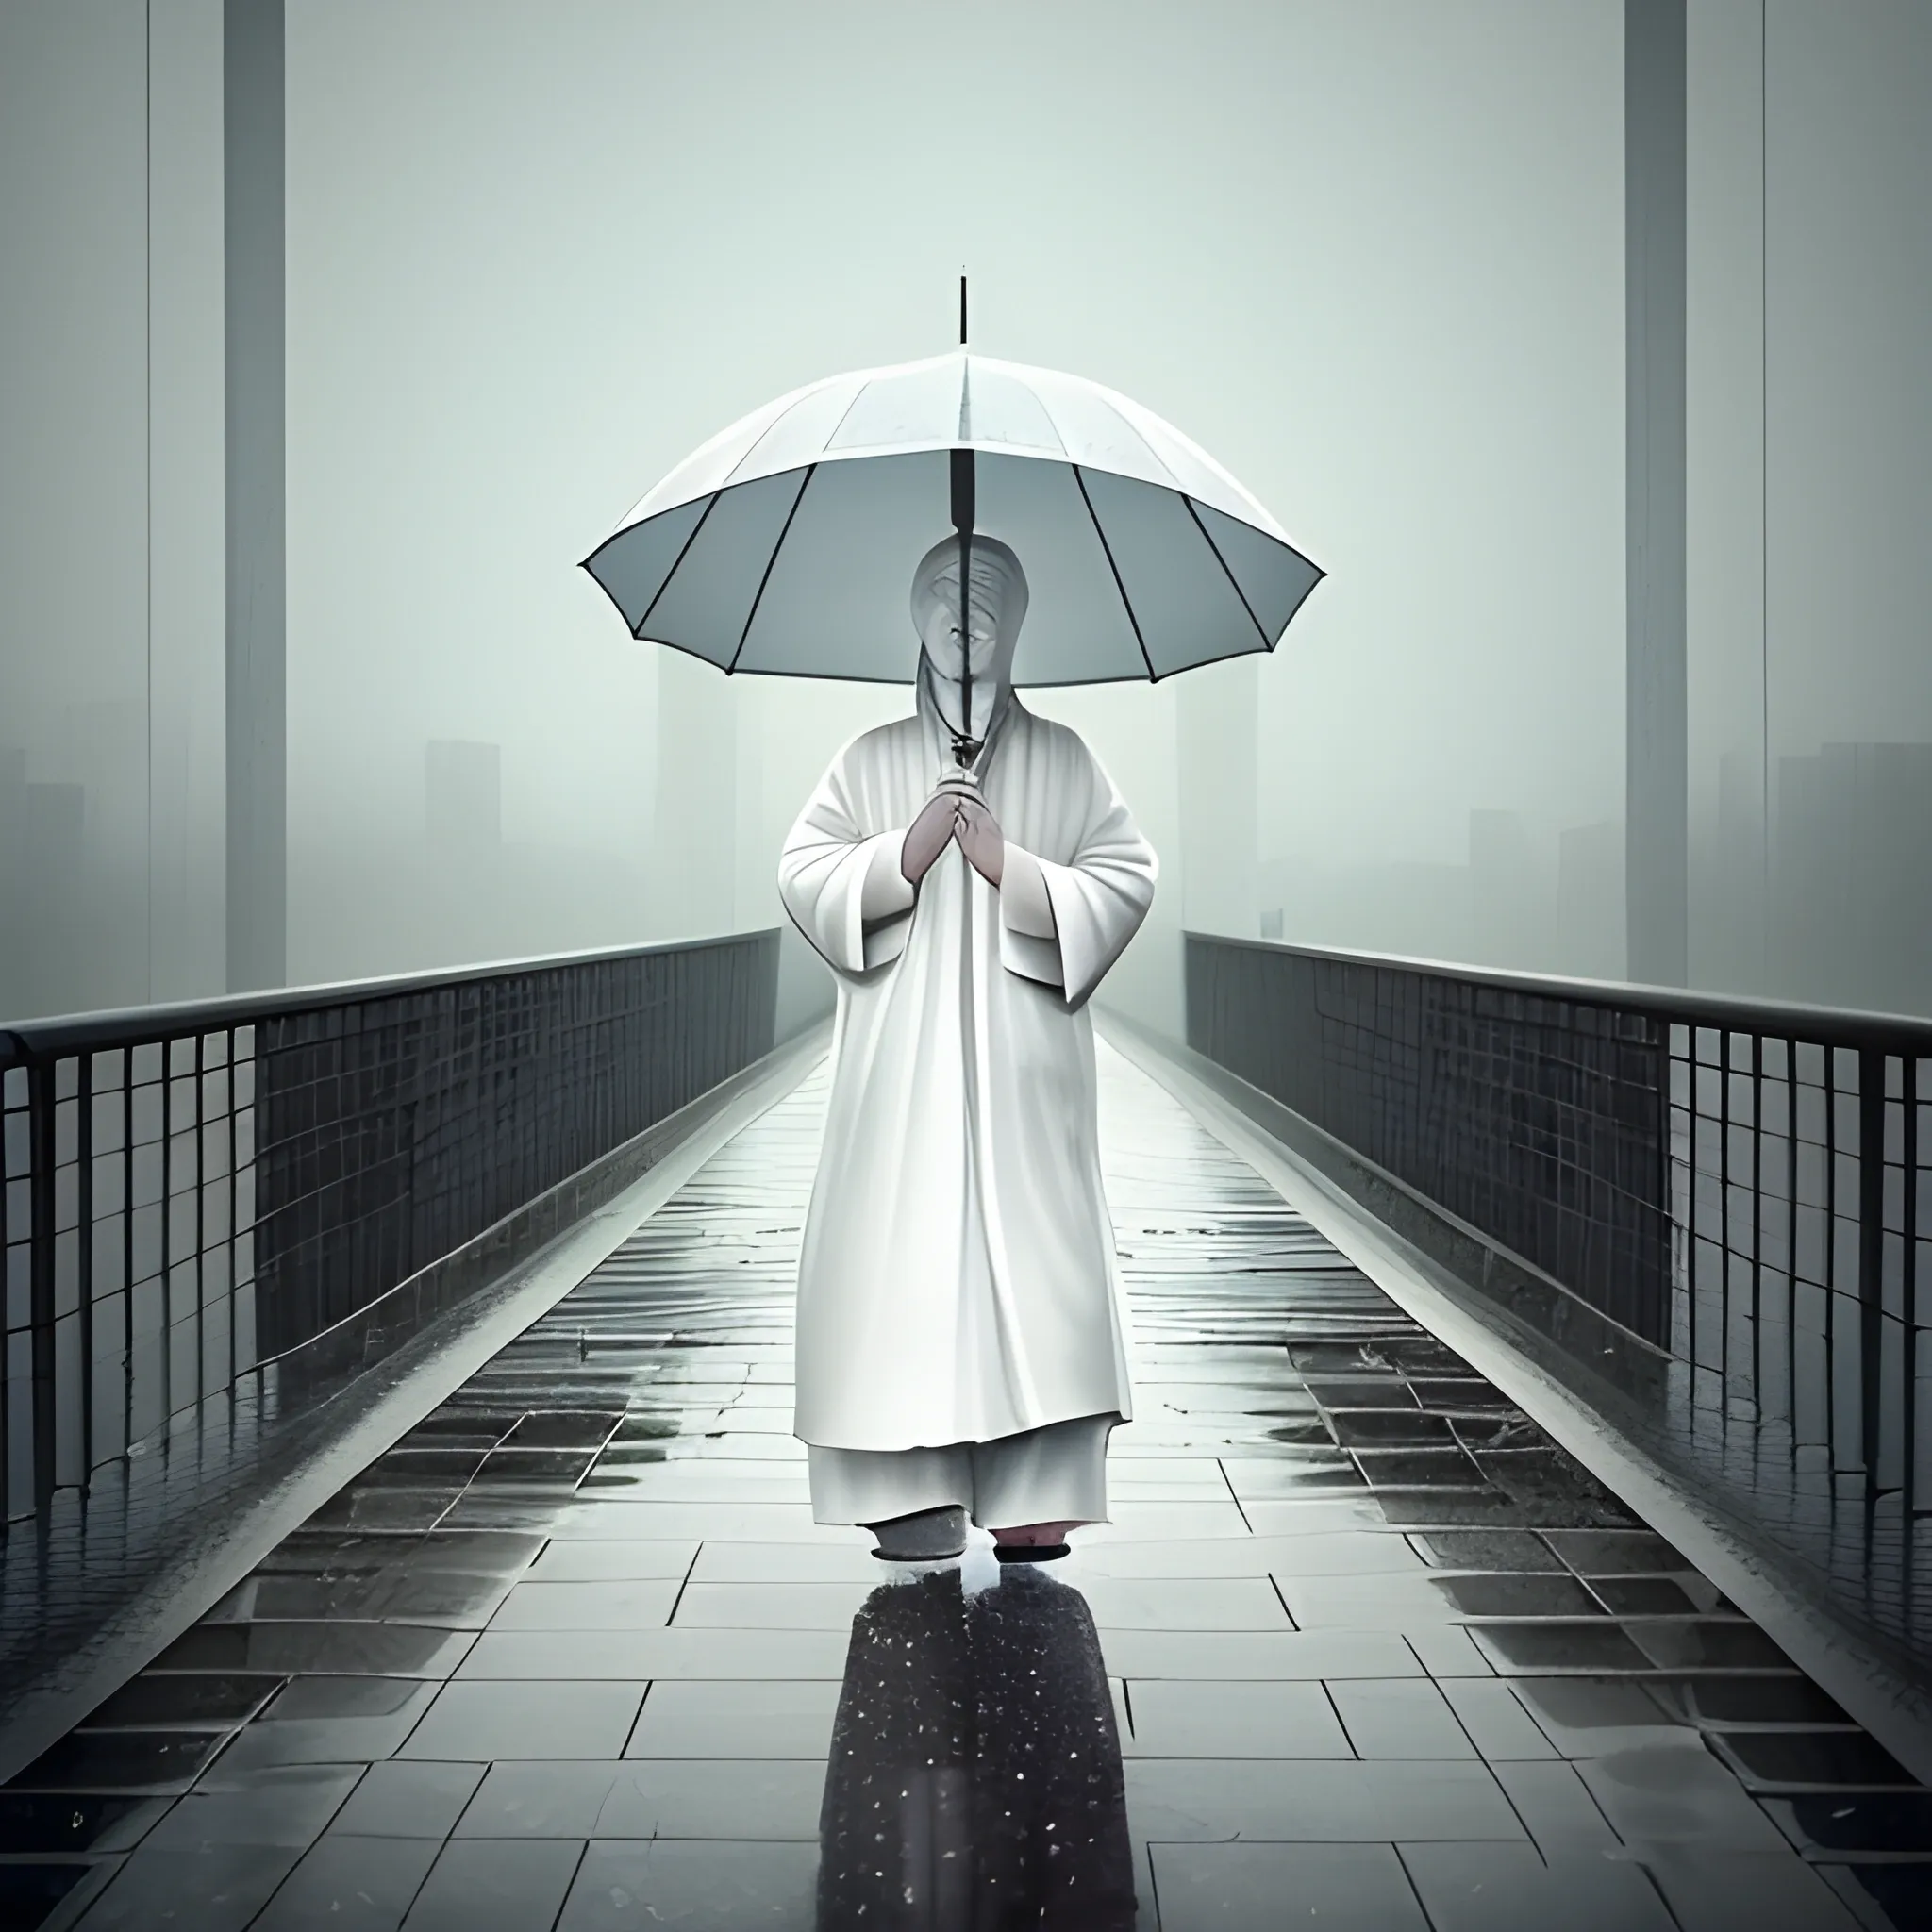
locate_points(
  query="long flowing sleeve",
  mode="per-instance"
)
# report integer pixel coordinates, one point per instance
(1097, 900)
(840, 885)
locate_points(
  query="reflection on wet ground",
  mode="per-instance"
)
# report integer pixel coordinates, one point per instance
(1361, 1646)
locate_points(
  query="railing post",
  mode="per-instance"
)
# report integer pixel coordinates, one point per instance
(40, 1294)
(1871, 1255)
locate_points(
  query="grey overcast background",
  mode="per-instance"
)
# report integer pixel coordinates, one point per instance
(1371, 254)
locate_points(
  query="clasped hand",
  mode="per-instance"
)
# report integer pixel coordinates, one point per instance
(955, 812)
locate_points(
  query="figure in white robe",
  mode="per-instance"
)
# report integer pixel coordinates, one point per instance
(959, 1338)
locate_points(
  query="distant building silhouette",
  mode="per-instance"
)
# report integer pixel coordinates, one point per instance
(1850, 916)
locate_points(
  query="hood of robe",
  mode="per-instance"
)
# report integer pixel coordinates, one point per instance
(997, 601)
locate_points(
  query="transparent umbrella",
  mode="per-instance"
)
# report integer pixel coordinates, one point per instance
(784, 545)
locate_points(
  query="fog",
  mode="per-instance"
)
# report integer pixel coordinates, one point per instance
(1371, 257)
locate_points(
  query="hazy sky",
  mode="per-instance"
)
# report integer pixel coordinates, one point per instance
(1369, 254)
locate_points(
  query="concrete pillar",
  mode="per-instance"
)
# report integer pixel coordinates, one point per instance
(1724, 495)
(254, 146)
(186, 518)
(1655, 876)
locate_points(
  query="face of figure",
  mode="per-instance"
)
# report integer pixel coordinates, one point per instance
(941, 630)
(995, 609)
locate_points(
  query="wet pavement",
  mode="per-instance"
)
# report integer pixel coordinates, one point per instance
(1360, 1645)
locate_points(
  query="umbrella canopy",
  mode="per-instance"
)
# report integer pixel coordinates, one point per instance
(786, 544)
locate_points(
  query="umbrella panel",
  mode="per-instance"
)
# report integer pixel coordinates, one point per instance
(633, 565)
(714, 590)
(1273, 578)
(807, 572)
(1185, 604)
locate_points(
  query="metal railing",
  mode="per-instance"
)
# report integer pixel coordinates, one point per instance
(1746, 1186)
(195, 1193)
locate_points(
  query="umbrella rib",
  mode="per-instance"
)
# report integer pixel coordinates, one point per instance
(684, 550)
(771, 562)
(1106, 548)
(1225, 571)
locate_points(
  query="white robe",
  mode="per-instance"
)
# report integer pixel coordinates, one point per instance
(957, 1278)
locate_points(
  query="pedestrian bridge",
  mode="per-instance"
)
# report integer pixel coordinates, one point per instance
(1518, 1527)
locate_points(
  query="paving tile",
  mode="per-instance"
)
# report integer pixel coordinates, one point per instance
(1723, 1703)
(774, 1606)
(542, 1604)
(1674, 1792)
(408, 1799)
(1384, 1428)
(694, 1522)
(698, 1884)
(1498, 1725)
(508, 1885)
(332, 1720)
(669, 1653)
(1368, 1601)
(1185, 1604)
(214, 1888)
(1650, 1596)
(50, 1895)
(1174, 1521)
(1165, 1479)
(746, 1563)
(1447, 1651)
(538, 1798)
(717, 1717)
(1419, 1469)
(1316, 1515)
(1255, 1654)
(1556, 1809)
(690, 1481)
(1534, 1649)
(475, 1721)
(1711, 1891)
(1587, 1717)
(454, 1599)
(1204, 1557)
(49, 1824)
(347, 1883)
(1672, 1643)
(119, 1761)
(1508, 1888)
(1515, 1550)
(1318, 1801)
(213, 1700)
(1316, 1472)
(1399, 1717)
(1885, 1896)
(1614, 1553)
(381, 1650)
(1767, 1760)
(1515, 1595)
(1349, 1552)
(765, 1799)
(286, 1804)
(623, 1559)
(1172, 1718)
(1260, 1888)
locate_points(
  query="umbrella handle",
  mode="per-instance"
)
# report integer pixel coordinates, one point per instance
(965, 504)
